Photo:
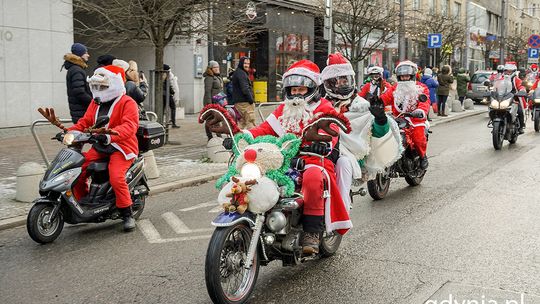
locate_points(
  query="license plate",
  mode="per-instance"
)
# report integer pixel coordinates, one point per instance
(481, 89)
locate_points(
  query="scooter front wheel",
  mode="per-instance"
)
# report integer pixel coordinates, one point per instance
(38, 226)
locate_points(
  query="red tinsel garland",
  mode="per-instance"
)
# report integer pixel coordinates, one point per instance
(223, 111)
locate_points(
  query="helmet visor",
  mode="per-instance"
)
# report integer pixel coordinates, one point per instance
(298, 81)
(339, 82)
(405, 70)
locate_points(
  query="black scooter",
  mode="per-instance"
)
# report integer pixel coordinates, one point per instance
(57, 203)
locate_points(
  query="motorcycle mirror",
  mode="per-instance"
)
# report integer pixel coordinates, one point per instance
(101, 121)
(487, 83)
(422, 98)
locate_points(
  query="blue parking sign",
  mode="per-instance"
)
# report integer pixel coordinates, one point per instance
(532, 53)
(434, 41)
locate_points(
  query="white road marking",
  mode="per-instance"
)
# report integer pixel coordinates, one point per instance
(199, 206)
(181, 239)
(176, 224)
(149, 231)
(216, 209)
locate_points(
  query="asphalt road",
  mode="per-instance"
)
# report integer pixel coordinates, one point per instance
(471, 231)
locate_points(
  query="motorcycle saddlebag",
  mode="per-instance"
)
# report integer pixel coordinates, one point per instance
(151, 135)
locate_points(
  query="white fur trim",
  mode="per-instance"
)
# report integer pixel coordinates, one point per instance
(126, 156)
(276, 125)
(121, 63)
(335, 70)
(316, 77)
(384, 151)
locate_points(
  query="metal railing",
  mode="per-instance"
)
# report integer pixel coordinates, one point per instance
(266, 104)
(41, 122)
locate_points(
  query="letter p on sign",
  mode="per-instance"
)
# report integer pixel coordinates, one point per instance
(434, 41)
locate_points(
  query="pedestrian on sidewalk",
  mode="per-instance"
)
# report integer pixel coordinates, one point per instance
(445, 81)
(103, 60)
(463, 80)
(170, 93)
(432, 85)
(78, 91)
(213, 86)
(243, 97)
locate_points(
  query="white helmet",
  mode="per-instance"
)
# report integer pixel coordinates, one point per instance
(375, 70)
(406, 67)
(510, 67)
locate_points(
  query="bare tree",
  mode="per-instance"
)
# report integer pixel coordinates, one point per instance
(451, 28)
(516, 46)
(362, 26)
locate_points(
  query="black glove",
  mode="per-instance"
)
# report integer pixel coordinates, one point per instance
(376, 108)
(321, 148)
(418, 113)
(422, 98)
(102, 139)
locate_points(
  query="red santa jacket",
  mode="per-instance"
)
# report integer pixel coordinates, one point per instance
(389, 100)
(336, 215)
(367, 88)
(124, 119)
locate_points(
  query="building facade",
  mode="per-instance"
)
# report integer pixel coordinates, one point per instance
(34, 36)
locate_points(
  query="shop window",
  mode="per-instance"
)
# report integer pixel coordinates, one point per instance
(289, 49)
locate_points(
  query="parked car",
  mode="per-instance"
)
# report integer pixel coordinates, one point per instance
(477, 90)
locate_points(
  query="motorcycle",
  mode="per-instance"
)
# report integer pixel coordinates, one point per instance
(408, 166)
(503, 111)
(57, 204)
(535, 109)
(269, 229)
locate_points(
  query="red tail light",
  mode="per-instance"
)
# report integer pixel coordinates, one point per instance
(469, 87)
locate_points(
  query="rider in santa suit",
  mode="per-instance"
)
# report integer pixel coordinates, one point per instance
(107, 86)
(374, 142)
(377, 85)
(410, 96)
(303, 102)
(510, 71)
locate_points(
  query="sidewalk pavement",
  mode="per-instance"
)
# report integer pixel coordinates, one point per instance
(181, 163)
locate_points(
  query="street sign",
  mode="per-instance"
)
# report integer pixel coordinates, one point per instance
(532, 53)
(534, 41)
(434, 41)
(532, 60)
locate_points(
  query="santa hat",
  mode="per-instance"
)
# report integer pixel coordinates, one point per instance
(121, 63)
(534, 66)
(305, 68)
(337, 65)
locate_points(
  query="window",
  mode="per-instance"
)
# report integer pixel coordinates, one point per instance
(416, 4)
(444, 8)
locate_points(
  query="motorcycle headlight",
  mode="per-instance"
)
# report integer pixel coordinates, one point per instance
(537, 100)
(250, 170)
(505, 103)
(68, 138)
(65, 176)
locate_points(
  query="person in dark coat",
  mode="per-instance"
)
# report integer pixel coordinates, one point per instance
(168, 93)
(213, 85)
(445, 81)
(432, 85)
(243, 96)
(78, 91)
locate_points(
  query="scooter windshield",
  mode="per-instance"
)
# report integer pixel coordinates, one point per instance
(502, 87)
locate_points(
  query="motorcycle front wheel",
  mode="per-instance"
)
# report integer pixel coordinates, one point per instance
(497, 135)
(378, 187)
(227, 280)
(38, 227)
(415, 180)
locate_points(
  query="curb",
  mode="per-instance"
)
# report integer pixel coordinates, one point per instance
(451, 119)
(187, 182)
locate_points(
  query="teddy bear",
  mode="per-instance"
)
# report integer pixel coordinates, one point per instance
(239, 196)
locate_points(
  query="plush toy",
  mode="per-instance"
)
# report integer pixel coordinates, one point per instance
(239, 196)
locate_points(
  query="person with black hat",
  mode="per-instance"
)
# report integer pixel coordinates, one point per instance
(168, 94)
(78, 91)
(106, 59)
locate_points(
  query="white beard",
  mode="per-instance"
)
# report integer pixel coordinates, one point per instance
(406, 96)
(295, 115)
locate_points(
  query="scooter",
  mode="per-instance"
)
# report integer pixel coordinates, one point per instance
(57, 204)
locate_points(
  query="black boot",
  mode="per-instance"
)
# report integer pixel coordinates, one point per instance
(424, 163)
(127, 217)
(313, 226)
